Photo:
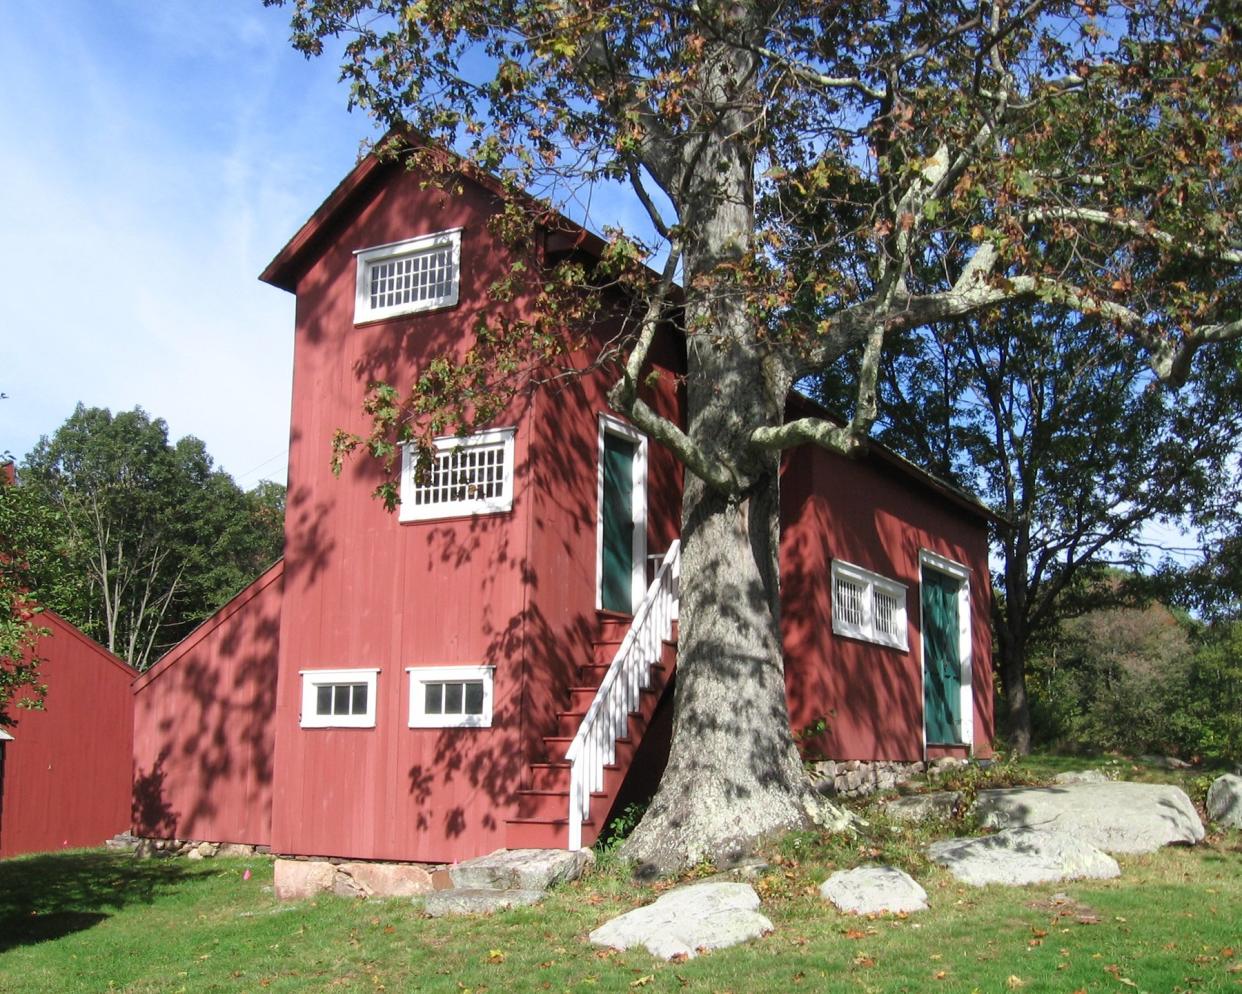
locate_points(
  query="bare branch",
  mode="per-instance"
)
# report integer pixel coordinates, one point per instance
(1133, 226)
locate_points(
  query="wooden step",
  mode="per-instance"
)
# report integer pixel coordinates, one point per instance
(543, 805)
(534, 833)
(550, 776)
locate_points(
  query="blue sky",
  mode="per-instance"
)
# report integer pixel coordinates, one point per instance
(154, 156)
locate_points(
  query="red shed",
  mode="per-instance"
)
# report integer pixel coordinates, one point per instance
(482, 668)
(202, 744)
(65, 773)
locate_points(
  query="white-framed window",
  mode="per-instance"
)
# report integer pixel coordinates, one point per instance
(450, 696)
(868, 606)
(342, 698)
(471, 475)
(417, 274)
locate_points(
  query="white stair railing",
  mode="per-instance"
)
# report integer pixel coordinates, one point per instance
(595, 745)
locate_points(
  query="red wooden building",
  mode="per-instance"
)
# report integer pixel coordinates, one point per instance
(407, 686)
(65, 770)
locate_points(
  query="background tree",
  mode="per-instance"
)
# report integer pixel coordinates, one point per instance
(1060, 427)
(152, 538)
(20, 630)
(818, 178)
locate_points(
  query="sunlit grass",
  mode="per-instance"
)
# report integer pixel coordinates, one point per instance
(96, 921)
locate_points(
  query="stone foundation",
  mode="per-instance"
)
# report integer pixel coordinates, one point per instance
(298, 879)
(189, 848)
(860, 777)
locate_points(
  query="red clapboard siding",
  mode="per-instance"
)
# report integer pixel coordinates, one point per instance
(67, 770)
(202, 749)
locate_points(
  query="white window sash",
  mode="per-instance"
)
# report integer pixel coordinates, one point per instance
(862, 600)
(441, 251)
(312, 680)
(420, 676)
(496, 438)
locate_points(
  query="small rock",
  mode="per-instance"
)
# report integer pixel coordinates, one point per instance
(688, 920)
(520, 869)
(1082, 776)
(473, 901)
(206, 850)
(298, 879)
(1019, 856)
(923, 807)
(872, 890)
(235, 849)
(1224, 801)
(1165, 762)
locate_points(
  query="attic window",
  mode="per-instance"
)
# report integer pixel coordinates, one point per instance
(868, 606)
(418, 274)
(450, 696)
(339, 698)
(471, 475)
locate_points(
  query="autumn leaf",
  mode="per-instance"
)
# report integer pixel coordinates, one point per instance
(495, 956)
(1013, 982)
(643, 981)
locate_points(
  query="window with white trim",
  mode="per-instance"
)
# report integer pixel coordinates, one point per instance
(339, 698)
(417, 274)
(450, 696)
(868, 606)
(471, 475)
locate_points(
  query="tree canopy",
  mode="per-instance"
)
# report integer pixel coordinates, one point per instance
(148, 537)
(20, 630)
(816, 179)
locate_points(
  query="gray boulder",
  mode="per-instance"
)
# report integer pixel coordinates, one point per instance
(873, 890)
(1224, 801)
(1020, 856)
(1081, 776)
(471, 901)
(940, 804)
(688, 920)
(519, 869)
(1115, 817)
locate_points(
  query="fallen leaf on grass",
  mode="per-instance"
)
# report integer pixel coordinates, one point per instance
(495, 956)
(862, 959)
(854, 933)
(1013, 982)
(643, 981)
(940, 974)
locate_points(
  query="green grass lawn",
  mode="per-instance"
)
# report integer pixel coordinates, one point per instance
(99, 921)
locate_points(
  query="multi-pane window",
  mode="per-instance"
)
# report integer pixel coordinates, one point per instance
(472, 475)
(450, 696)
(868, 606)
(339, 698)
(417, 274)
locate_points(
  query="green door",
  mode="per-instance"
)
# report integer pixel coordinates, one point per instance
(942, 661)
(617, 511)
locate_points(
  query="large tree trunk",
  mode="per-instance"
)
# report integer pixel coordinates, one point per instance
(1011, 637)
(733, 773)
(1017, 705)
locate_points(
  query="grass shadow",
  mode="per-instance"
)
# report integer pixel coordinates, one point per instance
(50, 896)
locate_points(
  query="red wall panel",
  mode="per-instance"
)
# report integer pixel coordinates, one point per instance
(67, 770)
(203, 732)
